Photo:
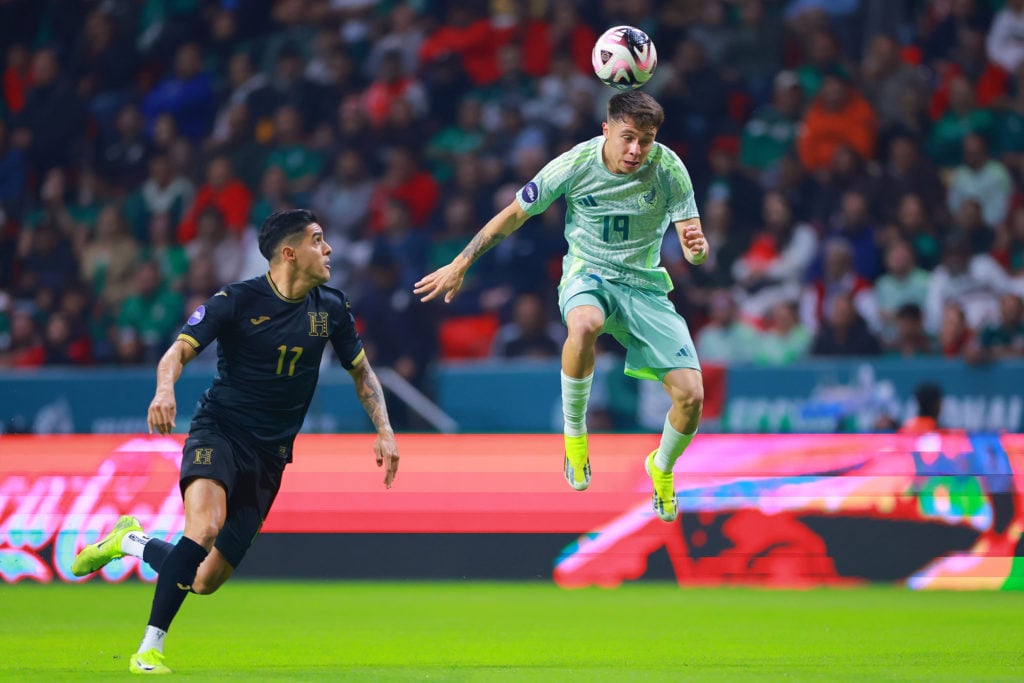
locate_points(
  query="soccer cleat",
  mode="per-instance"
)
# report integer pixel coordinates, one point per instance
(149, 662)
(95, 556)
(664, 500)
(577, 462)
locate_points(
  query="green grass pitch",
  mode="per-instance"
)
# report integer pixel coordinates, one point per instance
(465, 631)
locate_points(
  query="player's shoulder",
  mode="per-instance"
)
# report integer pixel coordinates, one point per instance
(586, 148)
(665, 156)
(243, 289)
(668, 167)
(332, 296)
(257, 283)
(576, 158)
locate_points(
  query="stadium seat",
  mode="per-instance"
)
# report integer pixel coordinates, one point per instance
(467, 336)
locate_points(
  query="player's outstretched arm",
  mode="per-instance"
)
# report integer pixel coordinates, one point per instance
(447, 280)
(691, 236)
(163, 409)
(371, 395)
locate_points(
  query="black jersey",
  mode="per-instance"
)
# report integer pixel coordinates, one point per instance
(269, 349)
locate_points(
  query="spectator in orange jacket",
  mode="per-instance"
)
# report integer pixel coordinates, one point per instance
(222, 191)
(838, 116)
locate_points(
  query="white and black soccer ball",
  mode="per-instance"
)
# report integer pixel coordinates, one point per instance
(624, 57)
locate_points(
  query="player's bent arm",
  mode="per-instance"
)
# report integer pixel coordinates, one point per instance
(371, 395)
(163, 408)
(448, 279)
(691, 237)
(503, 224)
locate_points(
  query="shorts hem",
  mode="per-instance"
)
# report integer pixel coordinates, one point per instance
(654, 374)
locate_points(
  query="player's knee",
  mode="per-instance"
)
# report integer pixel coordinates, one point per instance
(204, 532)
(585, 329)
(688, 400)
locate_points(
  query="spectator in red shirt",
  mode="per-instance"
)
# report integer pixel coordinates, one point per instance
(956, 338)
(392, 84)
(223, 192)
(26, 346)
(407, 182)
(17, 77)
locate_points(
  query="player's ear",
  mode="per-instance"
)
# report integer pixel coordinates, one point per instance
(604, 128)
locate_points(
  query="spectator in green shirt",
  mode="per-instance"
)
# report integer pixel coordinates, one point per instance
(151, 315)
(1005, 338)
(902, 283)
(299, 161)
(946, 140)
(785, 340)
(726, 339)
(771, 131)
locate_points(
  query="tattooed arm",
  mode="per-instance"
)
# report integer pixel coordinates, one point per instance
(448, 279)
(371, 395)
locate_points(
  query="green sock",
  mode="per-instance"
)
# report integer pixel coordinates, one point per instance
(671, 447)
(575, 395)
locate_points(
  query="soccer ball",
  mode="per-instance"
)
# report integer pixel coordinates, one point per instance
(624, 57)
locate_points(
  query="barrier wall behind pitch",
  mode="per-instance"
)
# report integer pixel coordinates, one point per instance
(822, 396)
(932, 511)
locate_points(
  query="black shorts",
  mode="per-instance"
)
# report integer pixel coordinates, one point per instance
(250, 475)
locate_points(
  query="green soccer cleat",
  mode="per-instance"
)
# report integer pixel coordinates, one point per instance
(95, 556)
(149, 662)
(577, 462)
(664, 500)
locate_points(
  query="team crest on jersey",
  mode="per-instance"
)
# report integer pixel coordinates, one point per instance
(197, 315)
(646, 199)
(318, 324)
(530, 192)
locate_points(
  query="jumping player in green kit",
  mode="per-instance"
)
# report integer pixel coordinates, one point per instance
(623, 190)
(272, 331)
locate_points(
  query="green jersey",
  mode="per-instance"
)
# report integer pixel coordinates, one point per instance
(614, 223)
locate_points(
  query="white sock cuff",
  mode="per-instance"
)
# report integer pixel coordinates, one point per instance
(672, 444)
(134, 543)
(672, 430)
(153, 639)
(577, 382)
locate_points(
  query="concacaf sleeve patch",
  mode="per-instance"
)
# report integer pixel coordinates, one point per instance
(197, 315)
(530, 192)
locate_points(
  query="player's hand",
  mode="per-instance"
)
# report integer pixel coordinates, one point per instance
(446, 280)
(696, 245)
(162, 411)
(386, 451)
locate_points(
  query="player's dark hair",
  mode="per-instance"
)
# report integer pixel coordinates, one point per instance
(281, 225)
(643, 109)
(929, 399)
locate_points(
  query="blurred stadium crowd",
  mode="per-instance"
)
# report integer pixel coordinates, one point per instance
(858, 165)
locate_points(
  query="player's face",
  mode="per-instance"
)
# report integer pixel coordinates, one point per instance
(626, 146)
(313, 255)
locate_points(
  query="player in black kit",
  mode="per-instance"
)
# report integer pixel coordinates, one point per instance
(271, 333)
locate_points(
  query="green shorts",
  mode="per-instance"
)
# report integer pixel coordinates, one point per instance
(656, 337)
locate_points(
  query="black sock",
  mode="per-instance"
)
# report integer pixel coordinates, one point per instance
(175, 581)
(155, 552)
